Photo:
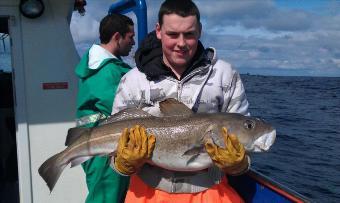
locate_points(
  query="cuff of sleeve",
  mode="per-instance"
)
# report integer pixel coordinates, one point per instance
(114, 168)
(245, 170)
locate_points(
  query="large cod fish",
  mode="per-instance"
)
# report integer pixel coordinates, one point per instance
(180, 137)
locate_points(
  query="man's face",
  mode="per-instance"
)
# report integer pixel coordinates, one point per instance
(179, 37)
(125, 43)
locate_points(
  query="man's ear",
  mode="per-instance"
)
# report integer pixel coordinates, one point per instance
(199, 29)
(116, 36)
(158, 31)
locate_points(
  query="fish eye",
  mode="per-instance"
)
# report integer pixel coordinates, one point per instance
(248, 124)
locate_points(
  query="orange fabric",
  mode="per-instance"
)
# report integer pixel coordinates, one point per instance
(139, 192)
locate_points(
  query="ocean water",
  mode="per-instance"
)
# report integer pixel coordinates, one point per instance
(306, 113)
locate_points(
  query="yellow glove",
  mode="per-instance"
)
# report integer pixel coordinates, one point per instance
(233, 159)
(133, 150)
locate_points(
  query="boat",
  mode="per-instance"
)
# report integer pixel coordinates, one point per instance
(43, 57)
(255, 187)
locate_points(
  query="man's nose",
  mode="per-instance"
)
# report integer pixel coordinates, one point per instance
(181, 41)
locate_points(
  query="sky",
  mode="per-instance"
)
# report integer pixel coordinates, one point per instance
(264, 37)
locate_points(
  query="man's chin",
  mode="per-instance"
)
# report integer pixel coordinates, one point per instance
(181, 62)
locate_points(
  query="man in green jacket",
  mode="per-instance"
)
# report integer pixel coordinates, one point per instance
(99, 72)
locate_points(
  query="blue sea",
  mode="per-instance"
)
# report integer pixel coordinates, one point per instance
(306, 113)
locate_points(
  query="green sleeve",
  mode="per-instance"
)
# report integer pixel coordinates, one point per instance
(96, 92)
(102, 88)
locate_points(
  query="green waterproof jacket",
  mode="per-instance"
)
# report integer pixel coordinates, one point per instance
(97, 89)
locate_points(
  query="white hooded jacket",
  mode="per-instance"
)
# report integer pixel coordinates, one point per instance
(212, 87)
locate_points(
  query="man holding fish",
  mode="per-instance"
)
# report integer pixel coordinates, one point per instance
(180, 67)
(180, 120)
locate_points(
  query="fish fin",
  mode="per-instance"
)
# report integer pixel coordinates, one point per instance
(73, 134)
(51, 170)
(130, 113)
(195, 150)
(80, 160)
(192, 159)
(172, 107)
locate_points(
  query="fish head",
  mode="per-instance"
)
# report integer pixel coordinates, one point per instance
(255, 134)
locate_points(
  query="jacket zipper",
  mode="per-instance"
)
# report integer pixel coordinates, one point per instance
(179, 89)
(195, 72)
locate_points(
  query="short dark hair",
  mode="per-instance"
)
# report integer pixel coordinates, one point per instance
(113, 23)
(182, 8)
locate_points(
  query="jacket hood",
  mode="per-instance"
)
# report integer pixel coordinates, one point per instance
(94, 59)
(149, 60)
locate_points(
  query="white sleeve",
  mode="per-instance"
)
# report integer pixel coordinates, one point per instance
(124, 98)
(131, 91)
(237, 100)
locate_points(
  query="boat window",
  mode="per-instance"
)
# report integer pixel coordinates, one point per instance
(5, 55)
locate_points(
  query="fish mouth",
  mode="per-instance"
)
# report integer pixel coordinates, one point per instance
(264, 142)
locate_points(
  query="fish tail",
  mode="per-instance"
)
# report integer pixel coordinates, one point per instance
(51, 170)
